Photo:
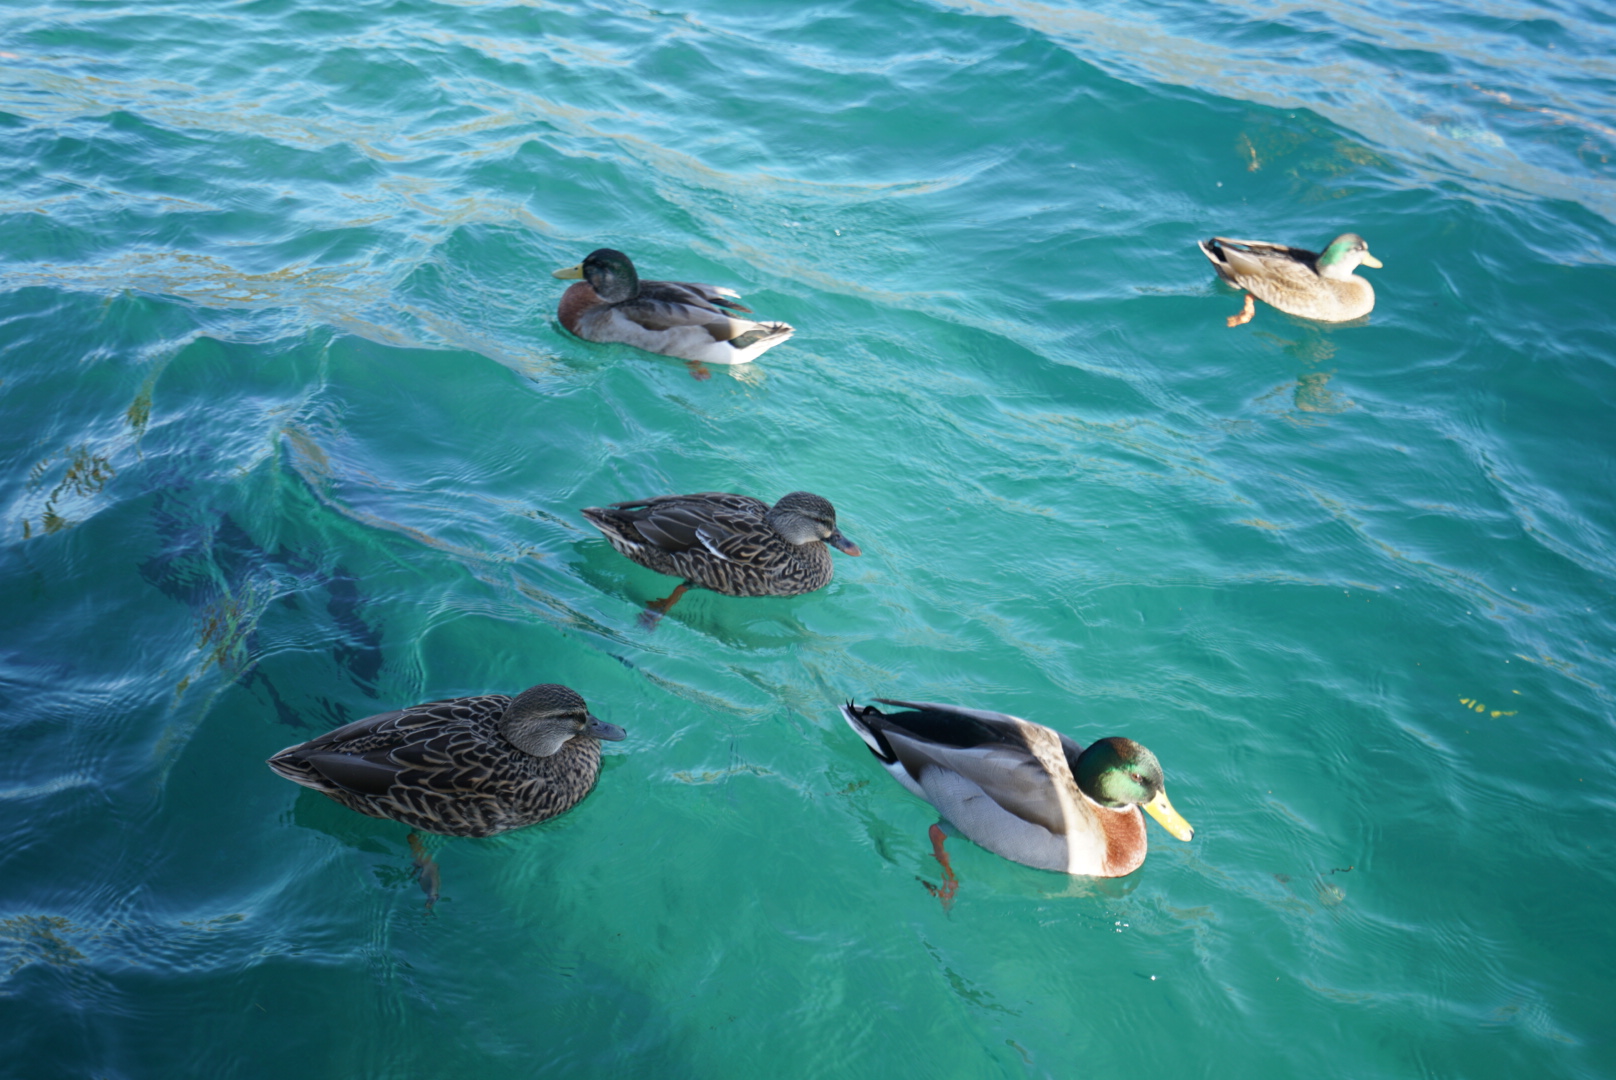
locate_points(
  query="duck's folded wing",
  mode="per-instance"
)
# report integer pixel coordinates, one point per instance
(370, 774)
(1258, 256)
(676, 305)
(718, 522)
(1263, 247)
(370, 727)
(388, 730)
(711, 294)
(744, 539)
(662, 315)
(1244, 265)
(672, 528)
(1009, 776)
(994, 721)
(444, 756)
(674, 523)
(986, 821)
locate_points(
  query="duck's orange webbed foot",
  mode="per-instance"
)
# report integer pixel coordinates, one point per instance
(1246, 313)
(658, 608)
(698, 370)
(944, 892)
(426, 870)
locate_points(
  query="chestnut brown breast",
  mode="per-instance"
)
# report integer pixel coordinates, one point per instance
(1124, 841)
(574, 302)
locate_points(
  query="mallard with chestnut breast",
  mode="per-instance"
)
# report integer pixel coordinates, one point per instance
(1312, 285)
(471, 766)
(1020, 789)
(732, 544)
(673, 318)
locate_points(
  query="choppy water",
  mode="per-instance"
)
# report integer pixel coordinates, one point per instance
(290, 435)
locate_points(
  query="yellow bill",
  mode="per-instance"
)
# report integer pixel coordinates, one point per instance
(1168, 818)
(578, 272)
(1368, 260)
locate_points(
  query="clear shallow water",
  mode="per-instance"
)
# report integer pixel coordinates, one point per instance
(291, 436)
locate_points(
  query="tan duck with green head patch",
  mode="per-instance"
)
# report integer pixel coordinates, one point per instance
(1318, 286)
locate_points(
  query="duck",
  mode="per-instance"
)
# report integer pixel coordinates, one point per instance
(730, 544)
(1318, 286)
(1022, 790)
(671, 318)
(467, 766)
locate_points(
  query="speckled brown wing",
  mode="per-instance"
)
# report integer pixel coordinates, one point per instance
(681, 523)
(671, 534)
(378, 735)
(757, 561)
(465, 783)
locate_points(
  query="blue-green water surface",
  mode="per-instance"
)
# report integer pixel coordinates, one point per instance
(291, 435)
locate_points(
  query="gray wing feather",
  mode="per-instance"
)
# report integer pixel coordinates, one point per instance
(981, 818)
(668, 305)
(984, 715)
(682, 524)
(1265, 247)
(670, 531)
(356, 728)
(1009, 775)
(358, 774)
(711, 294)
(656, 315)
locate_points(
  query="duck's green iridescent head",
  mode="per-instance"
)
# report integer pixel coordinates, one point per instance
(1344, 255)
(1118, 773)
(609, 272)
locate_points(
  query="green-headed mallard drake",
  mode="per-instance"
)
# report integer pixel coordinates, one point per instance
(674, 318)
(732, 544)
(471, 766)
(1020, 789)
(1315, 286)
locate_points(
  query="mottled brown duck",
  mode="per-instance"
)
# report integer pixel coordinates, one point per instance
(1312, 285)
(471, 766)
(731, 544)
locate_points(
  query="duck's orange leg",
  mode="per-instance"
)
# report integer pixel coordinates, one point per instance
(658, 608)
(944, 892)
(1246, 314)
(698, 370)
(426, 870)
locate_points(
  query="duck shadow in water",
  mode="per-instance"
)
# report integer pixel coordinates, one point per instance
(752, 623)
(212, 565)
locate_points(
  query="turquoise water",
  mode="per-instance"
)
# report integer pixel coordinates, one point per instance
(291, 436)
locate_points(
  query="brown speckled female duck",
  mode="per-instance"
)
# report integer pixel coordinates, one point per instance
(732, 544)
(471, 766)
(1020, 789)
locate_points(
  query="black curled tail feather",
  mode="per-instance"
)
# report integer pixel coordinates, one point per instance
(873, 736)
